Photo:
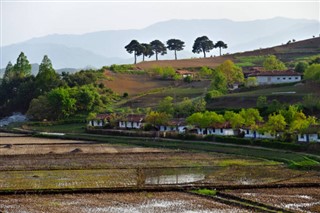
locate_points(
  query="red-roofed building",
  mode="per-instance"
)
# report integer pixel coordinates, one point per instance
(175, 124)
(132, 121)
(100, 120)
(217, 129)
(185, 73)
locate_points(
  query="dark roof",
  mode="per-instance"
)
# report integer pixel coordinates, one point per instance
(177, 122)
(275, 73)
(312, 129)
(103, 116)
(225, 125)
(134, 118)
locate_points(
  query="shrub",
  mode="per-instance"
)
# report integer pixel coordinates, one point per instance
(212, 94)
(188, 79)
(125, 94)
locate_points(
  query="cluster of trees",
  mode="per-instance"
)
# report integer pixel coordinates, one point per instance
(183, 108)
(289, 121)
(222, 77)
(49, 95)
(201, 45)
(165, 73)
(167, 109)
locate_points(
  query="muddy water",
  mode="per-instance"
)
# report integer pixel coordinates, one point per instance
(175, 175)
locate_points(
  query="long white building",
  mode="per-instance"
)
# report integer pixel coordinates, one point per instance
(276, 77)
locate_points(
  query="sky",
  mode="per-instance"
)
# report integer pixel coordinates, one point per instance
(25, 19)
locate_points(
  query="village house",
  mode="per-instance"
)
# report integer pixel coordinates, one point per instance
(100, 120)
(310, 135)
(185, 73)
(249, 133)
(132, 121)
(218, 129)
(177, 125)
(276, 77)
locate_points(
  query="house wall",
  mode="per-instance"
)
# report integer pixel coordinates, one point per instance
(180, 129)
(130, 125)
(211, 131)
(277, 79)
(99, 123)
(312, 138)
(255, 134)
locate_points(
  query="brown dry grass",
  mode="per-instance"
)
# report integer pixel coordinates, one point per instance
(28, 140)
(133, 84)
(186, 63)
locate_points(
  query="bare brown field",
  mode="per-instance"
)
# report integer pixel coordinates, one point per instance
(133, 84)
(293, 199)
(115, 203)
(186, 63)
(33, 140)
(165, 158)
(69, 148)
(288, 52)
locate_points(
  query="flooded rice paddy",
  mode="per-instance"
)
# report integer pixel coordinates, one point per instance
(37, 164)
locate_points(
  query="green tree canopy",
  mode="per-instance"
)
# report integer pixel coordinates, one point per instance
(62, 103)
(8, 73)
(157, 118)
(235, 119)
(206, 72)
(147, 51)
(166, 105)
(232, 72)
(136, 48)
(202, 44)
(301, 66)
(272, 63)
(158, 47)
(205, 119)
(175, 45)
(251, 117)
(276, 123)
(22, 68)
(219, 81)
(47, 78)
(220, 44)
(313, 72)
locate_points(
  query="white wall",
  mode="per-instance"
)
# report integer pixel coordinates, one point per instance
(312, 138)
(130, 125)
(211, 131)
(277, 79)
(98, 123)
(256, 134)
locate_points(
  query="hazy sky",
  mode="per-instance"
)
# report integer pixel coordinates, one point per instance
(22, 20)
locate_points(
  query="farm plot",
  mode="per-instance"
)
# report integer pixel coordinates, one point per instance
(60, 179)
(125, 160)
(293, 199)
(70, 148)
(33, 140)
(114, 203)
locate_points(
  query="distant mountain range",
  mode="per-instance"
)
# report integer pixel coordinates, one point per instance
(107, 47)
